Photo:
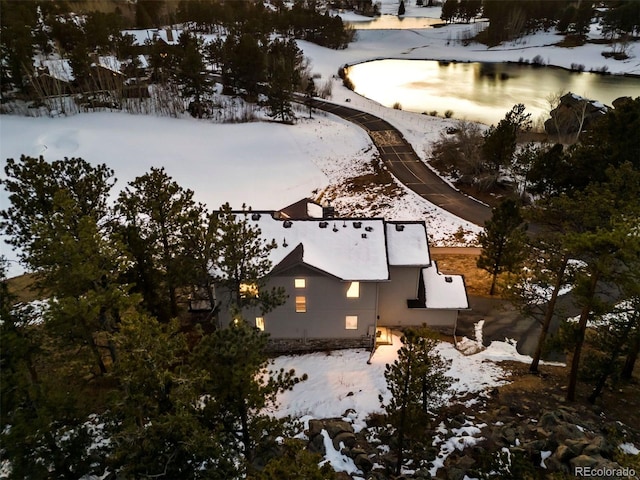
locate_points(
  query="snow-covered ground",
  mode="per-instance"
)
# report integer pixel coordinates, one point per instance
(267, 165)
(342, 384)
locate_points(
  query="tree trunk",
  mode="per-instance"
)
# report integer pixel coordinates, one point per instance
(533, 368)
(246, 436)
(582, 327)
(632, 357)
(403, 419)
(493, 283)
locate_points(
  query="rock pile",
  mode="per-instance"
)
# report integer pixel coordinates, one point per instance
(343, 439)
(558, 441)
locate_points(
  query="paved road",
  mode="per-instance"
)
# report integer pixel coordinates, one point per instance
(403, 162)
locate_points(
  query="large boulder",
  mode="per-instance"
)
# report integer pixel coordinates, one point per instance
(574, 113)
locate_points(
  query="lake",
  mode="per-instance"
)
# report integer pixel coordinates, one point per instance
(481, 92)
(393, 22)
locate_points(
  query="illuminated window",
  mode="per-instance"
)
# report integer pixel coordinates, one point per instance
(351, 322)
(260, 323)
(248, 290)
(300, 283)
(301, 304)
(354, 290)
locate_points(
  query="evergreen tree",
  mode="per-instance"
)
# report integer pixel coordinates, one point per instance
(309, 94)
(401, 8)
(58, 216)
(17, 22)
(500, 142)
(239, 384)
(502, 241)
(605, 242)
(190, 72)
(155, 420)
(43, 428)
(284, 60)
(417, 382)
(294, 462)
(156, 210)
(449, 10)
(244, 67)
(243, 262)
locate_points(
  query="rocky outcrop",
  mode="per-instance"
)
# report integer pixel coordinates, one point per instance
(344, 439)
(573, 114)
(559, 441)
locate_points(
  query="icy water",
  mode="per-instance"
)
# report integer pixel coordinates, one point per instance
(393, 22)
(481, 92)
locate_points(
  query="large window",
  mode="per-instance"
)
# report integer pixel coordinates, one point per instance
(300, 283)
(260, 323)
(301, 304)
(351, 322)
(354, 290)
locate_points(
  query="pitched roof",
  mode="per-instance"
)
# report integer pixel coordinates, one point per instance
(407, 243)
(444, 291)
(350, 249)
(304, 208)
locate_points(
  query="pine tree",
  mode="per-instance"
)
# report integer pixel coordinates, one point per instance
(156, 422)
(284, 60)
(43, 428)
(502, 241)
(190, 73)
(59, 217)
(243, 262)
(500, 142)
(401, 8)
(309, 94)
(606, 239)
(239, 384)
(417, 382)
(156, 210)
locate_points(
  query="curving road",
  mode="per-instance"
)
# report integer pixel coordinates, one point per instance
(403, 162)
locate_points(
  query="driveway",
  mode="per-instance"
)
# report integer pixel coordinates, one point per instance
(403, 162)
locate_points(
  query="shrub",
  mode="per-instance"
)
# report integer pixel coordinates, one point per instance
(448, 114)
(433, 113)
(325, 89)
(577, 67)
(397, 106)
(538, 60)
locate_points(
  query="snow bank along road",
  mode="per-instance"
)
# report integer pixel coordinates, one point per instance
(403, 162)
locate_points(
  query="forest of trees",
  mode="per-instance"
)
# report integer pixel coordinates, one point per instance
(177, 399)
(251, 61)
(584, 212)
(510, 19)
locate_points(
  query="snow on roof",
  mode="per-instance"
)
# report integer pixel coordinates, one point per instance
(444, 291)
(59, 68)
(314, 210)
(169, 36)
(407, 243)
(110, 62)
(143, 61)
(350, 249)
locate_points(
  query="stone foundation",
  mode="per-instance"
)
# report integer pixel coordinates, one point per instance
(297, 345)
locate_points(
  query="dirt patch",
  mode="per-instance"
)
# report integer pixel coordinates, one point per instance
(534, 394)
(23, 289)
(478, 281)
